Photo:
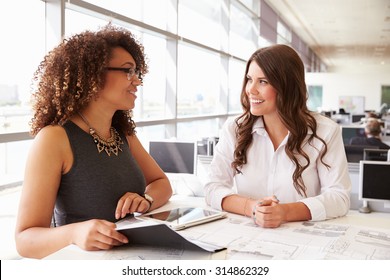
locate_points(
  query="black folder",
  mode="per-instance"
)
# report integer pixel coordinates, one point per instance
(161, 235)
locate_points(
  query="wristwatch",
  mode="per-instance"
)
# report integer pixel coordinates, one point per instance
(149, 199)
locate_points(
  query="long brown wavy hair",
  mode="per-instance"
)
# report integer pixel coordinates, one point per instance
(72, 74)
(285, 71)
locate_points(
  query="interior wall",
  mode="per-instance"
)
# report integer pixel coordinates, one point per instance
(351, 81)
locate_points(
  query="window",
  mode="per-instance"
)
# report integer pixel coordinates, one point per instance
(284, 33)
(199, 81)
(236, 78)
(153, 12)
(196, 130)
(196, 51)
(200, 21)
(151, 101)
(243, 33)
(19, 56)
(146, 133)
(77, 22)
(253, 5)
(314, 102)
(385, 99)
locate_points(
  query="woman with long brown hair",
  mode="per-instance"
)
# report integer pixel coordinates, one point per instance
(279, 162)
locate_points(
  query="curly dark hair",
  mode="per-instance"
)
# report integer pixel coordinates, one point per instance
(71, 75)
(285, 71)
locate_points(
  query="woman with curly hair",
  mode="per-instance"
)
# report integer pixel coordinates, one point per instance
(278, 162)
(86, 168)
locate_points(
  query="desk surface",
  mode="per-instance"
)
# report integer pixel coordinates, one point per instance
(355, 236)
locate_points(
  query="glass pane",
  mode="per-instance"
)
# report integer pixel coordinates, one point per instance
(158, 13)
(196, 130)
(284, 33)
(281, 40)
(236, 78)
(199, 81)
(243, 31)
(13, 157)
(153, 12)
(201, 21)
(385, 100)
(76, 22)
(152, 94)
(252, 5)
(314, 102)
(149, 133)
(19, 57)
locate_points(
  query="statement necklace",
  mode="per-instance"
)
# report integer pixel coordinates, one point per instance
(111, 145)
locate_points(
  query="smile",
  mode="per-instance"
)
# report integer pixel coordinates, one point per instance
(256, 101)
(132, 92)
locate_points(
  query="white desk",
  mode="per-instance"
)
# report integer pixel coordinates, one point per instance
(355, 236)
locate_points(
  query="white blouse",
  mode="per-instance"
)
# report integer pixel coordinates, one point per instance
(268, 172)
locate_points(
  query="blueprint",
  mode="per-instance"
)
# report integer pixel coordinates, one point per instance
(298, 240)
(334, 240)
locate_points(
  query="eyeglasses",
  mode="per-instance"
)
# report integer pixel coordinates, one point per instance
(130, 72)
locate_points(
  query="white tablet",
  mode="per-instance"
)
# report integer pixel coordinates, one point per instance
(181, 218)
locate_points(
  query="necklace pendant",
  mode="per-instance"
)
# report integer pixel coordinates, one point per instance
(111, 145)
(114, 150)
(100, 147)
(92, 131)
(107, 149)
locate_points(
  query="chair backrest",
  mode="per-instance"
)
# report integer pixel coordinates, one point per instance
(355, 153)
(375, 154)
(349, 132)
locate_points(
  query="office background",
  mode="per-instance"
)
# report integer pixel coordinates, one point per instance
(197, 50)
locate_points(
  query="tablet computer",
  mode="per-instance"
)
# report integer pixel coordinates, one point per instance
(181, 218)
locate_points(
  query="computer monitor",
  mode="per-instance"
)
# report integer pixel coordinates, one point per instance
(375, 154)
(173, 156)
(357, 118)
(342, 119)
(349, 132)
(374, 181)
(355, 153)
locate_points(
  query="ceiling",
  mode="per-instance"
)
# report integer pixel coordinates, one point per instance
(341, 32)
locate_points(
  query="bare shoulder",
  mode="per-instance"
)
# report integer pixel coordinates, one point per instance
(51, 133)
(136, 147)
(133, 140)
(51, 138)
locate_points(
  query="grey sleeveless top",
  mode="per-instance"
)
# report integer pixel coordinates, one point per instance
(92, 187)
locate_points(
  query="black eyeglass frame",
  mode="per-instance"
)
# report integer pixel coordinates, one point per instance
(129, 71)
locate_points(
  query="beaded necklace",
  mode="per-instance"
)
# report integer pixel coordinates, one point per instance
(111, 145)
